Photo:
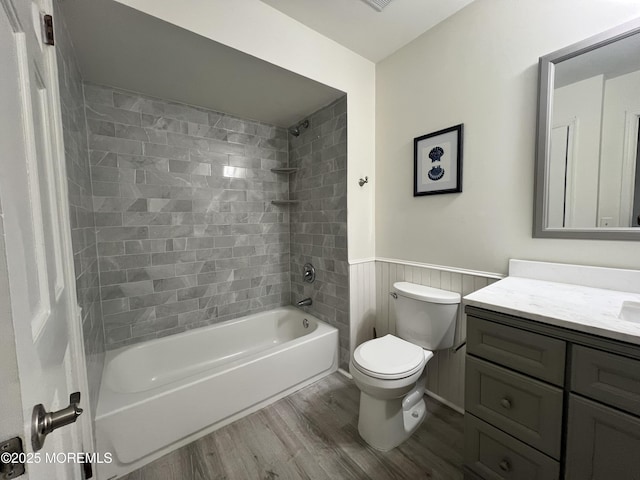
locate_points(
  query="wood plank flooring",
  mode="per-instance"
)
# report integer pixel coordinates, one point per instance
(313, 434)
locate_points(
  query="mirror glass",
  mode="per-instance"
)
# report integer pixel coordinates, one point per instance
(588, 139)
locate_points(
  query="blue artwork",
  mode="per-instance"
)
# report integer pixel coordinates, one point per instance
(437, 162)
(436, 173)
(436, 154)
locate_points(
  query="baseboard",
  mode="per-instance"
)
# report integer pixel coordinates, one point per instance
(445, 402)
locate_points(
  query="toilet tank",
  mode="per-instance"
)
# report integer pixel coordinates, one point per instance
(425, 316)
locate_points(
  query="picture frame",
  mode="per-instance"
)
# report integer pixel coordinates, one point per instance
(437, 162)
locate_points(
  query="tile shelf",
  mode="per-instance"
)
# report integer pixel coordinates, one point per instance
(287, 171)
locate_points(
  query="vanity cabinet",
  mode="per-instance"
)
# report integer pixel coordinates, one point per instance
(607, 378)
(545, 402)
(535, 355)
(602, 443)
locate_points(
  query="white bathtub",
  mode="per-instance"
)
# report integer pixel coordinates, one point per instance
(162, 394)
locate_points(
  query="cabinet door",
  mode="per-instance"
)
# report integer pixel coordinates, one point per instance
(602, 444)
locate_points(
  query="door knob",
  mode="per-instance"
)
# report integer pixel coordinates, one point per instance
(43, 422)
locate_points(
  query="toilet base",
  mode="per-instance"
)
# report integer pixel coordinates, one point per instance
(385, 424)
(390, 410)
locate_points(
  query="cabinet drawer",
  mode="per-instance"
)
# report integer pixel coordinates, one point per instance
(521, 406)
(531, 353)
(606, 377)
(602, 443)
(494, 455)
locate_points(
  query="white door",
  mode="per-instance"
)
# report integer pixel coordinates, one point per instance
(561, 177)
(556, 206)
(33, 193)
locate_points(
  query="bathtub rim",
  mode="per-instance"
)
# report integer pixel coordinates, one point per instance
(109, 354)
(114, 401)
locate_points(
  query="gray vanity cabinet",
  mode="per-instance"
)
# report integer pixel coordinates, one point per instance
(608, 378)
(528, 409)
(603, 439)
(494, 455)
(535, 355)
(544, 402)
(602, 443)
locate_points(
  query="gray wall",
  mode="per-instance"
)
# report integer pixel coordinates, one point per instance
(83, 232)
(319, 221)
(187, 235)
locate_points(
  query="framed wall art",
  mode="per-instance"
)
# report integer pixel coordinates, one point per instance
(437, 162)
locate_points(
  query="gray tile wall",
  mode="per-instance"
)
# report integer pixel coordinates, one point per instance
(83, 232)
(187, 234)
(319, 221)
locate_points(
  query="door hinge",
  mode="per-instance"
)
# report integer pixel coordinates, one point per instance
(87, 470)
(47, 27)
(11, 459)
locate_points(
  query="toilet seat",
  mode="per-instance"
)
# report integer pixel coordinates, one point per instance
(389, 358)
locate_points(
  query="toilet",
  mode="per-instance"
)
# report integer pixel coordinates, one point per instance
(390, 371)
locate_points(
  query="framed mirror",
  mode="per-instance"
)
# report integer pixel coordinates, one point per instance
(587, 178)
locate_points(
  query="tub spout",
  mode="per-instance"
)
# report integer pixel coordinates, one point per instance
(305, 302)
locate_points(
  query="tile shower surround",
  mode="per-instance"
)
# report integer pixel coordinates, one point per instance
(319, 221)
(83, 231)
(186, 231)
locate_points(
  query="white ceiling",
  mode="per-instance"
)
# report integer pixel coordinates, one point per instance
(360, 28)
(122, 47)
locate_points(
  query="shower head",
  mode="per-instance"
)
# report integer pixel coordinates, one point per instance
(296, 130)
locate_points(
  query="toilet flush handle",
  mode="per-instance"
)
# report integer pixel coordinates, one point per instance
(393, 294)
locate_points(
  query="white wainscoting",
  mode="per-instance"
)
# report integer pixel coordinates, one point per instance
(362, 294)
(446, 368)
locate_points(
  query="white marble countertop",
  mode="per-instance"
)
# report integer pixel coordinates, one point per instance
(580, 308)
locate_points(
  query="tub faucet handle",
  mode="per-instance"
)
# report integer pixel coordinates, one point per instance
(308, 273)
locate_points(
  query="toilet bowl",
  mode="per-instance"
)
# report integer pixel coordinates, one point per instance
(390, 371)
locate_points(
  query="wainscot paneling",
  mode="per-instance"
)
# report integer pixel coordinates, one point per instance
(362, 281)
(446, 368)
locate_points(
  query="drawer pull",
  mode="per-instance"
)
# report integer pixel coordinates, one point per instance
(505, 403)
(505, 466)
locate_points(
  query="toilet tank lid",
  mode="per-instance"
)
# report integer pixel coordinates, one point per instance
(425, 294)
